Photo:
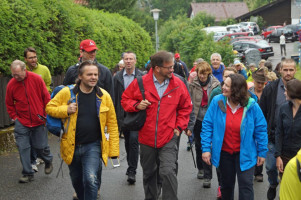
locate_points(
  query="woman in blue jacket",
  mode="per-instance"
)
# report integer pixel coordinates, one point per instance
(234, 137)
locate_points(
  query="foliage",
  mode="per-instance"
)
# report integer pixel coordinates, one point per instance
(226, 22)
(260, 22)
(204, 19)
(254, 4)
(112, 6)
(56, 27)
(186, 37)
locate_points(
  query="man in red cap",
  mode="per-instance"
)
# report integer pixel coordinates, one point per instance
(180, 67)
(88, 50)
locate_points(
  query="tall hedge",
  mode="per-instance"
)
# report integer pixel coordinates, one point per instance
(56, 27)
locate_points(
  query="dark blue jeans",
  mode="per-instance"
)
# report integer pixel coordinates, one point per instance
(32, 137)
(84, 170)
(270, 165)
(229, 167)
(132, 150)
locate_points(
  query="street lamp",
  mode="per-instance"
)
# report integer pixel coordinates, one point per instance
(156, 17)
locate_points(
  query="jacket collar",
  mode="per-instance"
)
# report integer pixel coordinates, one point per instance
(98, 91)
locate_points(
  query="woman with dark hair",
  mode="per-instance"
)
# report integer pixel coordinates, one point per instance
(200, 89)
(288, 131)
(234, 137)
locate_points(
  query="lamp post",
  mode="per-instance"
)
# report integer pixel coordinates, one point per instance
(156, 17)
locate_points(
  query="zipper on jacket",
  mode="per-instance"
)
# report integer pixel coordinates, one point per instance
(157, 119)
(28, 103)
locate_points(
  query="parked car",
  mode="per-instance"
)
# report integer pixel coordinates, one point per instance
(250, 26)
(252, 38)
(235, 28)
(265, 49)
(296, 29)
(219, 34)
(269, 30)
(235, 35)
(214, 29)
(275, 35)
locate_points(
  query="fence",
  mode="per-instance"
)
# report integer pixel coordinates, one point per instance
(4, 117)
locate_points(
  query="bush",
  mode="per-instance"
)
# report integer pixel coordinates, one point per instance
(56, 27)
(187, 37)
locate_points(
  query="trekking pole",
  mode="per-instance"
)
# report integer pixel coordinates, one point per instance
(192, 152)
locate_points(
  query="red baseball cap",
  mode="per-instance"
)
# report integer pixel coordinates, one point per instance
(177, 55)
(88, 45)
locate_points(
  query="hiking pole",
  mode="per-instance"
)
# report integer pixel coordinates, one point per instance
(192, 152)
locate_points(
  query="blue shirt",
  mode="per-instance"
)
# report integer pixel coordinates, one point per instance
(160, 87)
(218, 73)
(128, 78)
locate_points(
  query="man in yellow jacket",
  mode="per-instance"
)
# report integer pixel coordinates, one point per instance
(85, 141)
(291, 180)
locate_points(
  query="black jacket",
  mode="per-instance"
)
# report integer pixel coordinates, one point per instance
(118, 91)
(288, 132)
(105, 80)
(268, 106)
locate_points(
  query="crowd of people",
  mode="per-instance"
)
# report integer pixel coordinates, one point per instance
(237, 117)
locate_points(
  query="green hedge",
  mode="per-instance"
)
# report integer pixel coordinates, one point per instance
(56, 27)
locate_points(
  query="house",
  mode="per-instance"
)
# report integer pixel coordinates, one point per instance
(220, 10)
(278, 12)
(81, 2)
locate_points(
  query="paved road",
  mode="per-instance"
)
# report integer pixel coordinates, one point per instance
(114, 184)
(277, 53)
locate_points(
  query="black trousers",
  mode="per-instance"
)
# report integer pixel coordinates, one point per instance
(198, 151)
(132, 150)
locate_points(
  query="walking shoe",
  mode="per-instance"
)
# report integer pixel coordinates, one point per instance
(131, 178)
(26, 179)
(207, 183)
(200, 174)
(259, 178)
(188, 146)
(271, 193)
(74, 197)
(34, 167)
(39, 161)
(219, 193)
(48, 168)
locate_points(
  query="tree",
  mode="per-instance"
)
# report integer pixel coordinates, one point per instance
(112, 6)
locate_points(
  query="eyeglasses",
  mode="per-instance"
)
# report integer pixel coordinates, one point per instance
(169, 68)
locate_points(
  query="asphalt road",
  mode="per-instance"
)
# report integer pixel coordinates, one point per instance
(290, 50)
(114, 184)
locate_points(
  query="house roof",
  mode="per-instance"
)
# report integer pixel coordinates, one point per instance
(258, 10)
(220, 10)
(81, 2)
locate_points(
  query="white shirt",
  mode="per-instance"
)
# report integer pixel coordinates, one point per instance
(282, 39)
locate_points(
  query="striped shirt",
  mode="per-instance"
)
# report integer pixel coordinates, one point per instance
(160, 87)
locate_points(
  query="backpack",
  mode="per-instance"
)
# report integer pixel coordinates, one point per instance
(55, 125)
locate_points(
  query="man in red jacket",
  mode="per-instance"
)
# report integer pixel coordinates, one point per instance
(168, 105)
(26, 99)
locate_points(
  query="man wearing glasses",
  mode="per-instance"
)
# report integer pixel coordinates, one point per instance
(88, 50)
(168, 105)
(31, 60)
(26, 99)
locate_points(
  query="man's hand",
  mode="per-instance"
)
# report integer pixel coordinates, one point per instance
(279, 164)
(206, 157)
(188, 133)
(177, 132)
(143, 104)
(72, 107)
(260, 161)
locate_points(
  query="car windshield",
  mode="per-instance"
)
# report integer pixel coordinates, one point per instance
(263, 42)
(244, 23)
